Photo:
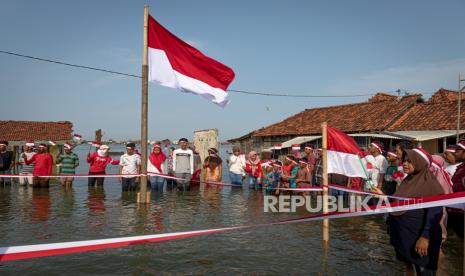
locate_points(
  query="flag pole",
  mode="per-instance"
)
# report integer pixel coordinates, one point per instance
(324, 127)
(143, 196)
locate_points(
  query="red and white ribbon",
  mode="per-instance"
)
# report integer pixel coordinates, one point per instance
(355, 191)
(42, 250)
(310, 189)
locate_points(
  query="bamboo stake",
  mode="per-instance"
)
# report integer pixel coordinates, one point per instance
(324, 127)
(142, 197)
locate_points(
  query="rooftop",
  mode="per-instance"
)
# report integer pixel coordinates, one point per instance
(20, 131)
(378, 113)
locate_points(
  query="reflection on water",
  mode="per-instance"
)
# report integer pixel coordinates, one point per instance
(27, 216)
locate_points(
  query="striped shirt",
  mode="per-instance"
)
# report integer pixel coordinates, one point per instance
(68, 162)
(24, 167)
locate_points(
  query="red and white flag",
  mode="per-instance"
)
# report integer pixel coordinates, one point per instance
(176, 64)
(342, 152)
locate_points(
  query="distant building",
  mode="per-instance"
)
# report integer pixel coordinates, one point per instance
(17, 133)
(205, 139)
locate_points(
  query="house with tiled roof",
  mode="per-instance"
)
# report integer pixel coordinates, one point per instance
(433, 123)
(377, 114)
(18, 132)
(383, 117)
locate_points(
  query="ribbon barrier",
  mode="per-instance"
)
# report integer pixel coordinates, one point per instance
(53, 249)
(355, 191)
(167, 176)
(308, 189)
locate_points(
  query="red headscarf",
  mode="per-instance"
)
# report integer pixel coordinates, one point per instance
(157, 159)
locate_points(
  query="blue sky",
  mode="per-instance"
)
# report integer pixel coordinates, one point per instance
(298, 47)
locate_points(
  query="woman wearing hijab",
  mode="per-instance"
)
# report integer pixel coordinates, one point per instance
(155, 165)
(416, 234)
(213, 166)
(438, 166)
(253, 168)
(438, 169)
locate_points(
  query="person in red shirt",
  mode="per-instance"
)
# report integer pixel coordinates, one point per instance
(253, 168)
(286, 169)
(98, 163)
(43, 167)
(455, 216)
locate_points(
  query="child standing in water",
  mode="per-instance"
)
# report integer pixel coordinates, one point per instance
(268, 179)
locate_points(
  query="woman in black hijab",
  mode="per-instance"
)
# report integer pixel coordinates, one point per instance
(416, 234)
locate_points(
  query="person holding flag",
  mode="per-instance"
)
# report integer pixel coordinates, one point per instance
(98, 162)
(26, 170)
(380, 165)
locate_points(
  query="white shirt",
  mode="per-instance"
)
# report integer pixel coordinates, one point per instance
(183, 161)
(151, 168)
(130, 164)
(451, 169)
(379, 167)
(237, 164)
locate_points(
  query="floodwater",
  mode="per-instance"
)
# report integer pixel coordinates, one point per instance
(358, 245)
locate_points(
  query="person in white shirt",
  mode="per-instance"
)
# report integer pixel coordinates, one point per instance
(380, 165)
(26, 170)
(130, 165)
(236, 163)
(449, 156)
(183, 165)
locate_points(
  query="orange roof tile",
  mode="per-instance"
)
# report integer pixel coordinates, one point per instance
(37, 131)
(376, 114)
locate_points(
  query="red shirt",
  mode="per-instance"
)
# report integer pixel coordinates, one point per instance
(99, 163)
(255, 172)
(287, 170)
(43, 164)
(457, 179)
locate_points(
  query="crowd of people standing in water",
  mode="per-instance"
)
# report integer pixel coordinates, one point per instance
(402, 171)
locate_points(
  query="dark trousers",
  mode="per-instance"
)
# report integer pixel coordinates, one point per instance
(455, 222)
(40, 182)
(92, 181)
(128, 184)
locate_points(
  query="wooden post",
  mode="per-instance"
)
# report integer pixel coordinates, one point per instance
(142, 196)
(324, 127)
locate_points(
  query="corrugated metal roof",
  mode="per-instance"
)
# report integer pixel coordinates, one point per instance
(424, 135)
(300, 140)
(375, 135)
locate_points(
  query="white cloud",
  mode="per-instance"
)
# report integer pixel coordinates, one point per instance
(424, 78)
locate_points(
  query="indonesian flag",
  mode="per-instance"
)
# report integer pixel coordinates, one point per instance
(176, 64)
(342, 152)
(77, 137)
(278, 147)
(95, 144)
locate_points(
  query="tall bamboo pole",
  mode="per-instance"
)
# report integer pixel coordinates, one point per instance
(143, 197)
(324, 127)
